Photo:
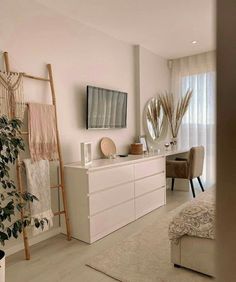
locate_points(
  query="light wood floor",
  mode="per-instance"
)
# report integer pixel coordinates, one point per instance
(57, 259)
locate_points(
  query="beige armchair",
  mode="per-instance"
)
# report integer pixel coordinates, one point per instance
(187, 168)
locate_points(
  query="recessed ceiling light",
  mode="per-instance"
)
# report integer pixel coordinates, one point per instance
(194, 42)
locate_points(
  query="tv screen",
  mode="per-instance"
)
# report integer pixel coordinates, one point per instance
(106, 108)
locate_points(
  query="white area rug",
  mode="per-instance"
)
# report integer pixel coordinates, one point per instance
(144, 257)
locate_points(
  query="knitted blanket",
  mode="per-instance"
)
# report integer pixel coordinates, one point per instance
(38, 184)
(197, 218)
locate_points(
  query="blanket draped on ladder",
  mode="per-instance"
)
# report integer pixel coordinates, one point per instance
(42, 132)
(38, 184)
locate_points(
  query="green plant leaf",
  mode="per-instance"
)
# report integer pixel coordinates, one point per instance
(3, 236)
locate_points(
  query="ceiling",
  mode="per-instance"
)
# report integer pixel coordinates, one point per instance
(165, 27)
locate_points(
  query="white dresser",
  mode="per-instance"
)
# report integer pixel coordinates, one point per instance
(109, 194)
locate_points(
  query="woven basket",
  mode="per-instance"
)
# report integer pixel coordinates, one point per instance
(136, 149)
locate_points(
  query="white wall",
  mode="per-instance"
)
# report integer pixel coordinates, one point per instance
(79, 55)
(34, 35)
(153, 79)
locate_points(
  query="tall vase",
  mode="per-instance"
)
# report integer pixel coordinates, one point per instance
(174, 143)
(2, 266)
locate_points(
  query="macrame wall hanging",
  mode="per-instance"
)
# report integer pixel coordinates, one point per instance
(12, 102)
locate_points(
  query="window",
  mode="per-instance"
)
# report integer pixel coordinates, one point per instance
(198, 126)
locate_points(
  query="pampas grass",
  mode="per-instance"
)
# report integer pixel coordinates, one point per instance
(175, 114)
(154, 116)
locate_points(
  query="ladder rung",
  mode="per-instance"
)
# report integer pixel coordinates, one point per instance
(58, 213)
(36, 77)
(56, 186)
(29, 76)
(12, 72)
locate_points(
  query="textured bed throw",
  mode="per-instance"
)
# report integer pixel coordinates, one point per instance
(197, 218)
(38, 184)
(42, 132)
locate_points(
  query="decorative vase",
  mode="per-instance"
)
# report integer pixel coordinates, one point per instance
(173, 143)
(2, 266)
(86, 153)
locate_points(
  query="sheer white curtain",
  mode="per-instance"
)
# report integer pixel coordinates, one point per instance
(198, 127)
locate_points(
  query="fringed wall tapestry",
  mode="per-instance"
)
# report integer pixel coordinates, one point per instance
(12, 102)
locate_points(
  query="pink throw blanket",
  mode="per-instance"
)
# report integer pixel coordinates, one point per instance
(42, 132)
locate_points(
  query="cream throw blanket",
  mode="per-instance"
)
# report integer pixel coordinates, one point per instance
(42, 132)
(38, 184)
(197, 218)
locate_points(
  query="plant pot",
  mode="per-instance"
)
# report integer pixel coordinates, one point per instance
(2, 266)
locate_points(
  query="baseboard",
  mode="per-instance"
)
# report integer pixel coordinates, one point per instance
(33, 241)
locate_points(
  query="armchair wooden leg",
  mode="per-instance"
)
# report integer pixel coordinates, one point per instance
(172, 184)
(192, 187)
(200, 183)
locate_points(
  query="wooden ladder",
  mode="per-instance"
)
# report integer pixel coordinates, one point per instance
(61, 184)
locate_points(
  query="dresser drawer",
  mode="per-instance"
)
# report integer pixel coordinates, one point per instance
(150, 183)
(111, 177)
(111, 197)
(146, 168)
(110, 220)
(149, 202)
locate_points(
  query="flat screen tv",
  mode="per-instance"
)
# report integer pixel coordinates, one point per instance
(106, 108)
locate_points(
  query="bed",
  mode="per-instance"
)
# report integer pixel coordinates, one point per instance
(192, 234)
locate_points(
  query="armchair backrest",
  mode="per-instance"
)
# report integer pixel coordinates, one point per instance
(196, 159)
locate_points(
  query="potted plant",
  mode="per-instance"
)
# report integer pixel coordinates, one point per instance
(12, 202)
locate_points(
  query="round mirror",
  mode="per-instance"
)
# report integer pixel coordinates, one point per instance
(155, 119)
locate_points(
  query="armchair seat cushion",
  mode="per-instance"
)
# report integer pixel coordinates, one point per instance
(177, 169)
